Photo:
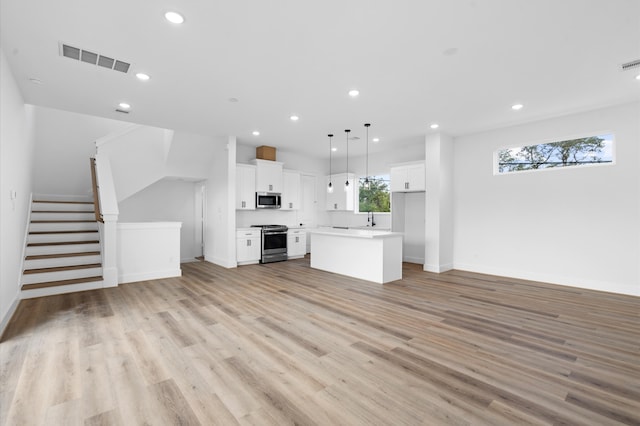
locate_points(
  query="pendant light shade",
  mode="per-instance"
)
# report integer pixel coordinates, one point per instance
(346, 183)
(367, 182)
(330, 185)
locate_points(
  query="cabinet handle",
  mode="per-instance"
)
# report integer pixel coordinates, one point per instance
(270, 187)
(244, 204)
(297, 239)
(335, 206)
(248, 243)
(290, 205)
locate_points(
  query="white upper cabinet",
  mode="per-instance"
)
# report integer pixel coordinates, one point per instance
(245, 187)
(339, 199)
(268, 176)
(291, 190)
(408, 178)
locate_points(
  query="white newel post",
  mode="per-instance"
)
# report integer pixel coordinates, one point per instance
(109, 211)
(108, 242)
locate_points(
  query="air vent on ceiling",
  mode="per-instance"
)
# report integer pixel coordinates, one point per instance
(93, 58)
(630, 65)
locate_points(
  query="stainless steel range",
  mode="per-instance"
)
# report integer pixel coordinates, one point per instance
(274, 243)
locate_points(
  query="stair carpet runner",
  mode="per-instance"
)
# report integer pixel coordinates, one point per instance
(63, 246)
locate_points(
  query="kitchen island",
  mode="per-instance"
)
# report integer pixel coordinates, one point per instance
(372, 255)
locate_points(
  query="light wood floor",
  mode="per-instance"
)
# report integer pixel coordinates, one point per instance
(284, 344)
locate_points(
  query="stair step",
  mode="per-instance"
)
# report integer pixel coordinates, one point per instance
(61, 272)
(59, 238)
(60, 249)
(61, 268)
(62, 211)
(61, 243)
(61, 282)
(58, 255)
(80, 231)
(60, 207)
(62, 221)
(62, 202)
(54, 261)
(63, 226)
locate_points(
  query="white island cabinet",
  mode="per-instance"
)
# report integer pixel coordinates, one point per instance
(367, 254)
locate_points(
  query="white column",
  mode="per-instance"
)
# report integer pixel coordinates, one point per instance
(438, 255)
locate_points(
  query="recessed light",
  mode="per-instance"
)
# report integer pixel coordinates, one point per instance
(517, 107)
(174, 17)
(376, 139)
(142, 76)
(353, 93)
(35, 81)
(638, 77)
(434, 126)
(334, 149)
(124, 105)
(294, 118)
(233, 100)
(256, 133)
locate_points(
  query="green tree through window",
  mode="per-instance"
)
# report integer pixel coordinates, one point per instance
(572, 152)
(375, 198)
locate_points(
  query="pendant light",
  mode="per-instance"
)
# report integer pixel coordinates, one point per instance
(330, 186)
(346, 183)
(367, 182)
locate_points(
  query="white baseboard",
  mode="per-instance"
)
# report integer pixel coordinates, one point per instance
(437, 268)
(220, 261)
(630, 289)
(7, 317)
(411, 259)
(153, 275)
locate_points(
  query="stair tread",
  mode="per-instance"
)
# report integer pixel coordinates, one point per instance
(54, 256)
(61, 243)
(62, 211)
(61, 282)
(62, 221)
(62, 202)
(80, 231)
(61, 268)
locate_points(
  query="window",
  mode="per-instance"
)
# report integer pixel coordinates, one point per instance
(377, 197)
(572, 152)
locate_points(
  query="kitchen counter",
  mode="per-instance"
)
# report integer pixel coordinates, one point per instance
(368, 254)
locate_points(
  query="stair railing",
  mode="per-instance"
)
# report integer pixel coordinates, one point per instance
(96, 192)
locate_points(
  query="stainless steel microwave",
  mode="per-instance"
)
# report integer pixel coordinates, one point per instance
(268, 200)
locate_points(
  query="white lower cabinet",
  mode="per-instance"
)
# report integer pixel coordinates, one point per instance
(248, 246)
(296, 243)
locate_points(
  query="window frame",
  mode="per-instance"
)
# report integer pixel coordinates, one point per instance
(496, 153)
(357, 179)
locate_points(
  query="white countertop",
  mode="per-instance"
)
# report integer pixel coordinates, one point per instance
(355, 233)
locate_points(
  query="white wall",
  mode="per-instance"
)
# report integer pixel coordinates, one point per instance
(574, 226)
(167, 200)
(220, 238)
(148, 251)
(64, 143)
(138, 158)
(16, 166)
(190, 156)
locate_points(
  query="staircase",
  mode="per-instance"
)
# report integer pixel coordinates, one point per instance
(63, 249)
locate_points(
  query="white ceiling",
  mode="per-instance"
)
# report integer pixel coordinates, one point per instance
(285, 57)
